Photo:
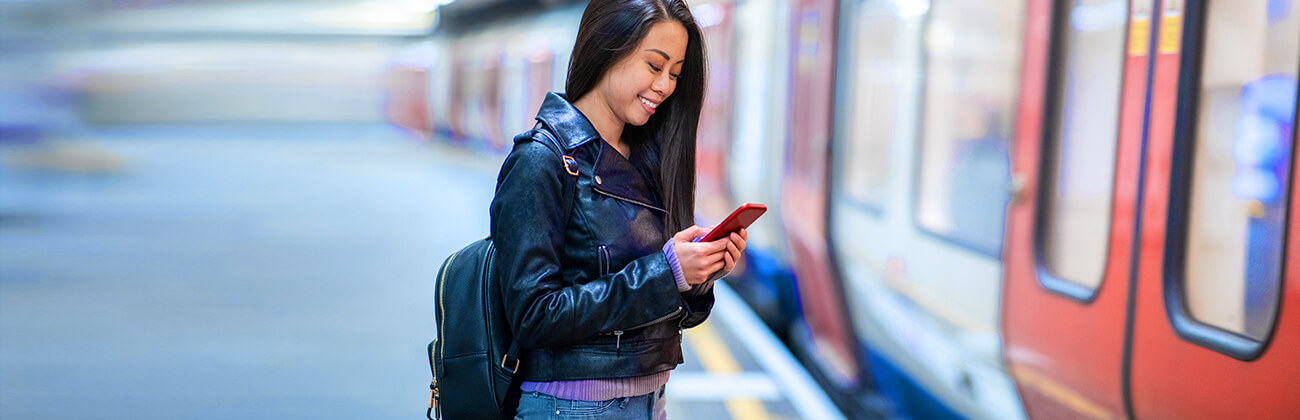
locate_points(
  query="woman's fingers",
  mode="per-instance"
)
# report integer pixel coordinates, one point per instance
(738, 239)
(711, 266)
(708, 249)
(735, 247)
(718, 245)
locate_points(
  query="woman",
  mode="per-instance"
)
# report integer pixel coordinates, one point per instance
(597, 301)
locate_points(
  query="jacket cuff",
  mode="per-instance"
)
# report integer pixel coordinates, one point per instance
(680, 278)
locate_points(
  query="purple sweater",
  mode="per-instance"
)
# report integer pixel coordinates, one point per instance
(608, 389)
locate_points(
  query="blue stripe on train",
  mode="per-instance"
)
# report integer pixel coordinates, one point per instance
(769, 288)
(909, 398)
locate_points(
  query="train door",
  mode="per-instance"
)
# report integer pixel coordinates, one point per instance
(1216, 333)
(406, 90)
(490, 94)
(514, 90)
(439, 89)
(481, 100)
(528, 63)
(1070, 225)
(457, 94)
(920, 187)
(825, 332)
(755, 159)
(541, 63)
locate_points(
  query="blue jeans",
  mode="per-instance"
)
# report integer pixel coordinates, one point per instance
(536, 405)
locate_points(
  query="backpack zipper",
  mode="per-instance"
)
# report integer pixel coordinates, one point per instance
(442, 316)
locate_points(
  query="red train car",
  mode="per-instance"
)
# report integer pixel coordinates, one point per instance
(1149, 272)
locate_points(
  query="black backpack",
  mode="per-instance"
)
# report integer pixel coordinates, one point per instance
(474, 357)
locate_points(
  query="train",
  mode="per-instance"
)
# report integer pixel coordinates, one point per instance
(979, 208)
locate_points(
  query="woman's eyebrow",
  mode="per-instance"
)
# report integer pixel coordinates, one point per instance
(662, 53)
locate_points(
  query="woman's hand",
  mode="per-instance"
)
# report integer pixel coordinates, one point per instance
(704, 261)
(699, 259)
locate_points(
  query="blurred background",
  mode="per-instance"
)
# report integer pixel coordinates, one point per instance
(979, 209)
(204, 214)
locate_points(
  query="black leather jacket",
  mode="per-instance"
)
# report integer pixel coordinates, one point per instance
(593, 296)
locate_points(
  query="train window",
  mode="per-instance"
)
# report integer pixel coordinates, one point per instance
(875, 83)
(1082, 136)
(972, 75)
(1240, 148)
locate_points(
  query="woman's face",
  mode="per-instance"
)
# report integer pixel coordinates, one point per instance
(635, 86)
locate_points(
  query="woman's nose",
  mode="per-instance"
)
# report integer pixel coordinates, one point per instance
(662, 85)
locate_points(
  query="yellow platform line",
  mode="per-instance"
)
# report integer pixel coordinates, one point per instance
(716, 358)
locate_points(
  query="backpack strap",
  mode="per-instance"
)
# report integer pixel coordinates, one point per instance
(570, 166)
(570, 188)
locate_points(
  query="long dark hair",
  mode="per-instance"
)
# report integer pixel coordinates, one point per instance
(665, 145)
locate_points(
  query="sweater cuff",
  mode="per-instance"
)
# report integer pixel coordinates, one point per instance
(680, 278)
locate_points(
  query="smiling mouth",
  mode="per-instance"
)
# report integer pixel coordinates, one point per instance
(648, 104)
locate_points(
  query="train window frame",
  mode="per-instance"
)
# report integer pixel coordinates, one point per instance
(841, 139)
(918, 146)
(839, 131)
(1049, 144)
(1184, 324)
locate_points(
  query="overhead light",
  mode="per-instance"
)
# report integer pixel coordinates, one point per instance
(707, 15)
(911, 8)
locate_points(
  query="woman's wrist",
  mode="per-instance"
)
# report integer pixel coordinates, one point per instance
(676, 267)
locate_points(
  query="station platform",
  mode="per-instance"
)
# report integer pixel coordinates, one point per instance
(736, 368)
(281, 271)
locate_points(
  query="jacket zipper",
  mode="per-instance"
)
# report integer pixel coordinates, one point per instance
(618, 334)
(633, 201)
(606, 266)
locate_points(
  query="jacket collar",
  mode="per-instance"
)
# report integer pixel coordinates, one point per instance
(615, 175)
(564, 120)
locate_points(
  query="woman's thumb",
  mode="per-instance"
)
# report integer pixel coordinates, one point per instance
(689, 234)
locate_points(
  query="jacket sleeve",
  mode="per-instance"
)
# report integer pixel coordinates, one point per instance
(698, 303)
(696, 300)
(528, 232)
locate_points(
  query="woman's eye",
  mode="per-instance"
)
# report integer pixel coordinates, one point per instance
(674, 75)
(652, 67)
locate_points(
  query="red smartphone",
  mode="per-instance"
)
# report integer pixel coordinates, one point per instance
(737, 220)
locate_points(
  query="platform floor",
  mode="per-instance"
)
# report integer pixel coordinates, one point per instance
(273, 271)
